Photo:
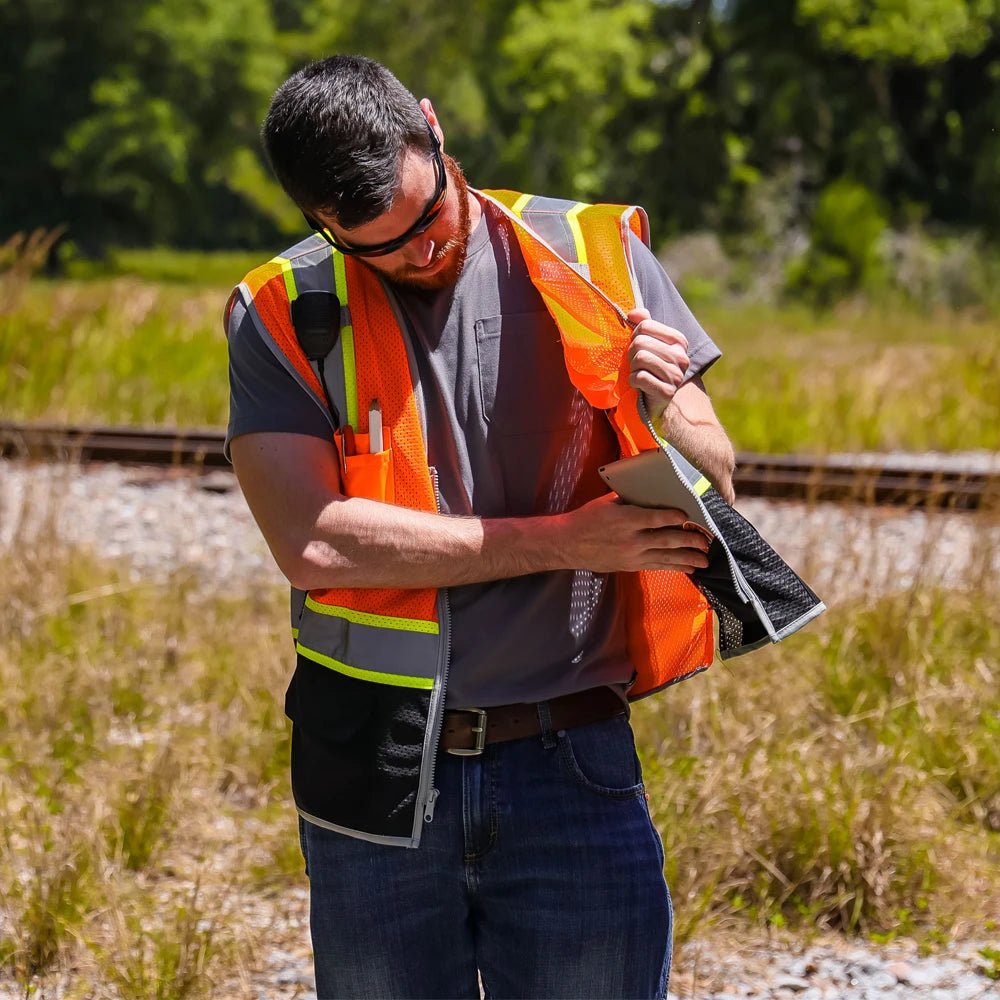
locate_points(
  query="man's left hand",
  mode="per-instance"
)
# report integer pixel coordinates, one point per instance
(657, 358)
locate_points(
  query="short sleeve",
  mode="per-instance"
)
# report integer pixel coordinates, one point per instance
(263, 395)
(665, 305)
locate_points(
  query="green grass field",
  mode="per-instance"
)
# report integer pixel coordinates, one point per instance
(133, 350)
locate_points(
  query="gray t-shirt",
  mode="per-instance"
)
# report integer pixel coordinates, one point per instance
(509, 436)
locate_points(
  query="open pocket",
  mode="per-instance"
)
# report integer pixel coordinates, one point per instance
(365, 474)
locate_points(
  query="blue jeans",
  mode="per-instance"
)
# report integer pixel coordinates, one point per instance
(541, 870)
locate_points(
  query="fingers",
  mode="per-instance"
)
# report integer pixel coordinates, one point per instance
(676, 548)
(644, 325)
(657, 357)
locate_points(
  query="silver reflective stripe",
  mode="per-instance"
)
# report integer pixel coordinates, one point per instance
(380, 650)
(372, 838)
(547, 217)
(626, 228)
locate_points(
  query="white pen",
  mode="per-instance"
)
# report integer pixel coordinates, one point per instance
(375, 428)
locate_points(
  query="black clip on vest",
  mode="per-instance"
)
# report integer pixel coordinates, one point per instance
(316, 319)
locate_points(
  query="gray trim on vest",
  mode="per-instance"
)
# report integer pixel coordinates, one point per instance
(297, 601)
(368, 647)
(372, 838)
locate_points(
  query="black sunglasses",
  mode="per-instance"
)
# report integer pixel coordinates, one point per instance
(426, 220)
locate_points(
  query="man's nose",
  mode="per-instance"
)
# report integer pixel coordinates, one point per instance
(419, 251)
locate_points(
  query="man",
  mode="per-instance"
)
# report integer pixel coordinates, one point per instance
(464, 648)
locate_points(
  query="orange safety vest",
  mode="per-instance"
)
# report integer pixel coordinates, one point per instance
(390, 648)
(669, 622)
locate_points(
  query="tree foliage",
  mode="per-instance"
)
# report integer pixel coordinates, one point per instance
(135, 121)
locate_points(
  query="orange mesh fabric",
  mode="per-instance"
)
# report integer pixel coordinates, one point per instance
(590, 325)
(270, 298)
(603, 232)
(668, 620)
(383, 369)
(669, 627)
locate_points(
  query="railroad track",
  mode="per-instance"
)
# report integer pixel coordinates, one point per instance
(863, 479)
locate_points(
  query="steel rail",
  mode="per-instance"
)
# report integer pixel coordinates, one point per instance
(844, 479)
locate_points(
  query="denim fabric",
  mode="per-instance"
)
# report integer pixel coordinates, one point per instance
(541, 870)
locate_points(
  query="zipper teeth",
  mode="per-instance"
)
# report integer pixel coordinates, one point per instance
(733, 568)
(445, 623)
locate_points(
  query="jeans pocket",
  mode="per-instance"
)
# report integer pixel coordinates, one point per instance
(601, 758)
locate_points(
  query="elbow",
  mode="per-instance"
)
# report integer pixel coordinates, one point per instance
(314, 566)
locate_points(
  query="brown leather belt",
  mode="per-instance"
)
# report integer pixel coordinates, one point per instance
(467, 730)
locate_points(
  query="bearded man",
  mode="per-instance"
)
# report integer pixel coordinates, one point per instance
(419, 413)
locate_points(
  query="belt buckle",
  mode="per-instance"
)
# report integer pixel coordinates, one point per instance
(479, 731)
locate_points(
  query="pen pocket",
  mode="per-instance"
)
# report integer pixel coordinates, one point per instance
(365, 474)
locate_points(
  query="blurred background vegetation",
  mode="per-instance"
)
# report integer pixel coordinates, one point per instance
(821, 177)
(807, 148)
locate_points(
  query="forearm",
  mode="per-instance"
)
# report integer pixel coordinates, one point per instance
(321, 539)
(700, 438)
(363, 543)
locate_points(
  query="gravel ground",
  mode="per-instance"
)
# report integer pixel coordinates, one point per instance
(201, 523)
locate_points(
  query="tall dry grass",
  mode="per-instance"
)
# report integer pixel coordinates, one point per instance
(848, 779)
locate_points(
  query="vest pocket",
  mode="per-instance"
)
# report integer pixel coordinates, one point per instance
(366, 474)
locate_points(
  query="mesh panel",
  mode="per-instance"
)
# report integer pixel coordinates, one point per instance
(669, 623)
(784, 596)
(593, 348)
(601, 225)
(730, 627)
(669, 628)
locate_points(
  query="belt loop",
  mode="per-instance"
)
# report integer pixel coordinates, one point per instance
(545, 721)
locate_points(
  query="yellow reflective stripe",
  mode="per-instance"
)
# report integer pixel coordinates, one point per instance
(574, 225)
(286, 272)
(373, 676)
(295, 633)
(579, 334)
(503, 195)
(700, 486)
(375, 621)
(518, 207)
(347, 342)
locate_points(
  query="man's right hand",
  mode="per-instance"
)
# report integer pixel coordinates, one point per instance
(607, 536)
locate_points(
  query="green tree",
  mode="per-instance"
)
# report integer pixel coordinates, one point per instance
(134, 122)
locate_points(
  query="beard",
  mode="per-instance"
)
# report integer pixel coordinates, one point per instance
(450, 255)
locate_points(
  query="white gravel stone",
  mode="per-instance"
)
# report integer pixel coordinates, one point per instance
(161, 525)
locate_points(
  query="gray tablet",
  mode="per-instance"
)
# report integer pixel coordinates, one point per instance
(650, 480)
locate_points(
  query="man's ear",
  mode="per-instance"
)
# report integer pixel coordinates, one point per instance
(432, 119)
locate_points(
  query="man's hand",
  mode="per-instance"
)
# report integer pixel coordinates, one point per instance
(657, 358)
(606, 536)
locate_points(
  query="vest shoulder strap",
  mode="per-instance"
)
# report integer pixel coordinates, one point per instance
(592, 239)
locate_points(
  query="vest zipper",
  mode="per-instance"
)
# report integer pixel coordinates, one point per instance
(742, 588)
(428, 793)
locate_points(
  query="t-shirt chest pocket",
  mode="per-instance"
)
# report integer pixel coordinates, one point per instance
(523, 384)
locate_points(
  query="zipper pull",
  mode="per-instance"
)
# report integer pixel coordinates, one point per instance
(429, 808)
